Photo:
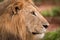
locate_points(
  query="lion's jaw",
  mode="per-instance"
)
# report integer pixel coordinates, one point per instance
(39, 36)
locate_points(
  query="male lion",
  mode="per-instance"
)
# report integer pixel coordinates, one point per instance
(22, 21)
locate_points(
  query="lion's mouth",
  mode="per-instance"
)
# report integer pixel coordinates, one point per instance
(38, 35)
(35, 33)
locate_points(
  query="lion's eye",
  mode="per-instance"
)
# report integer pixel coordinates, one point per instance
(33, 13)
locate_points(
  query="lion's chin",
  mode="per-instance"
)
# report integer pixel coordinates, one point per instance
(39, 36)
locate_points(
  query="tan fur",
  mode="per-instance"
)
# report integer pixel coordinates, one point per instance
(18, 22)
(4, 4)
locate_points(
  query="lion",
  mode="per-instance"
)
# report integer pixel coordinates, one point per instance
(21, 20)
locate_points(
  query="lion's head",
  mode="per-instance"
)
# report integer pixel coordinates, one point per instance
(22, 21)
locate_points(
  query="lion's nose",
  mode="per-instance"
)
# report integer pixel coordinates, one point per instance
(46, 26)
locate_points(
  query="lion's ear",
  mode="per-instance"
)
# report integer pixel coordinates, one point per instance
(17, 7)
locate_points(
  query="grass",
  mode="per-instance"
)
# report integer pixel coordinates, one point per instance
(47, 13)
(56, 11)
(54, 35)
(56, 1)
(53, 13)
(1, 0)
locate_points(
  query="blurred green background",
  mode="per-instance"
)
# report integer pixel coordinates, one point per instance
(54, 12)
(1, 0)
(53, 35)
